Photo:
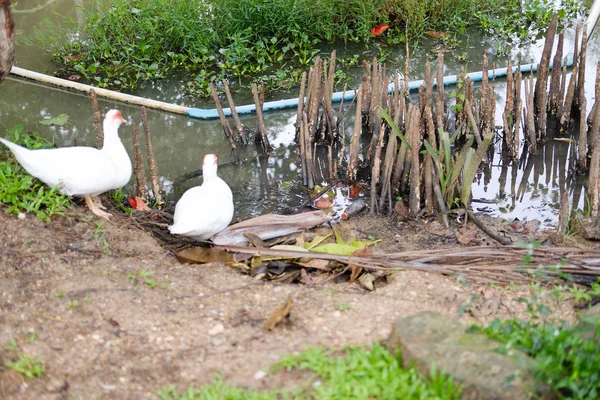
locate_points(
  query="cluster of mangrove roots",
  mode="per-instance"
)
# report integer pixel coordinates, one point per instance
(428, 149)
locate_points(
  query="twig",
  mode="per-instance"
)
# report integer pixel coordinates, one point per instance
(487, 231)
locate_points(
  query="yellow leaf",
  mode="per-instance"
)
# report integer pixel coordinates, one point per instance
(316, 241)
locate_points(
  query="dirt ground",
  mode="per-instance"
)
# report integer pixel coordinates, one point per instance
(67, 297)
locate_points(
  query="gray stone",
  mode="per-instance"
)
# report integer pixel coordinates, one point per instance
(430, 338)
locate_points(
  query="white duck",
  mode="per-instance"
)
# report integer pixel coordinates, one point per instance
(204, 210)
(81, 171)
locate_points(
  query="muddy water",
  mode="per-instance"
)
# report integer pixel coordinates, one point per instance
(527, 189)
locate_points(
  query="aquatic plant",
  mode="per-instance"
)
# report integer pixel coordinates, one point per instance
(122, 44)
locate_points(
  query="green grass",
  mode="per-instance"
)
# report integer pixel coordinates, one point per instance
(565, 357)
(355, 373)
(21, 192)
(124, 44)
(28, 366)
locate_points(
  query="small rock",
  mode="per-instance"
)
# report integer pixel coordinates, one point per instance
(217, 329)
(21, 216)
(217, 342)
(337, 313)
(260, 375)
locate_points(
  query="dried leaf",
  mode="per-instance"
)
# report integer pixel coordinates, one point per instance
(354, 190)
(316, 241)
(324, 202)
(140, 205)
(305, 278)
(356, 269)
(316, 263)
(255, 240)
(279, 315)
(367, 281)
(200, 255)
(466, 235)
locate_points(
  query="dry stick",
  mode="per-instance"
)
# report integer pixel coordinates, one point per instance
(366, 92)
(301, 140)
(428, 95)
(439, 104)
(563, 214)
(138, 165)
(236, 118)
(260, 122)
(439, 198)
(581, 76)
(414, 200)
(471, 118)
(529, 111)
(428, 169)
(224, 121)
(594, 175)
(596, 96)
(555, 77)
(561, 92)
(310, 172)
(355, 139)
(582, 142)
(342, 152)
(375, 171)
(488, 231)
(97, 116)
(152, 166)
(316, 94)
(565, 118)
(509, 106)
(541, 85)
(375, 111)
(301, 101)
(483, 104)
(390, 157)
(517, 131)
(327, 98)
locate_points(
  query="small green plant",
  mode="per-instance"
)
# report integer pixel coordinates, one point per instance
(59, 294)
(21, 191)
(145, 277)
(564, 357)
(344, 307)
(73, 304)
(355, 373)
(100, 235)
(28, 366)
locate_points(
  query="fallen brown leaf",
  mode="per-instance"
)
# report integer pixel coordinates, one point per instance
(466, 234)
(323, 202)
(279, 315)
(200, 255)
(356, 269)
(316, 263)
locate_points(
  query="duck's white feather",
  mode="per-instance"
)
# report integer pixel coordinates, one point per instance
(204, 210)
(79, 171)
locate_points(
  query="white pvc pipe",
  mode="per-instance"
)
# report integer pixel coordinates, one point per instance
(109, 94)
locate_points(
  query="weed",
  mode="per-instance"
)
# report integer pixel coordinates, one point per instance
(145, 277)
(121, 46)
(344, 306)
(358, 373)
(21, 191)
(59, 294)
(565, 357)
(28, 366)
(12, 344)
(100, 235)
(73, 304)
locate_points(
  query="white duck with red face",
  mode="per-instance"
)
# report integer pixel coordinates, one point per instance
(204, 210)
(81, 171)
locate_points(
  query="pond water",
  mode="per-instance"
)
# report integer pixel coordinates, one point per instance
(525, 190)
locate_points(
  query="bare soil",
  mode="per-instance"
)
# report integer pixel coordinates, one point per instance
(69, 299)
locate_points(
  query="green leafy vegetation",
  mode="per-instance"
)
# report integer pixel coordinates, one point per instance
(21, 192)
(29, 367)
(565, 357)
(123, 44)
(355, 373)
